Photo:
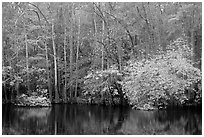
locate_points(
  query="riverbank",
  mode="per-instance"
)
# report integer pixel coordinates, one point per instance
(32, 101)
(36, 101)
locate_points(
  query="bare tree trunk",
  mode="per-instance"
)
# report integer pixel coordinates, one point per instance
(27, 65)
(108, 35)
(70, 64)
(17, 82)
(65, 66)
(148, 48)
(77, 56)
(150, 26)
(192, 37)
(17, 88)
(48, 73)
(95, 26)
(95, 29)
(102, 50)
(71, 51)
(5, 93)
(193, 44)
(55, 64)
(119, 56)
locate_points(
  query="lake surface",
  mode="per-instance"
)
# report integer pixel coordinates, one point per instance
(100, 120)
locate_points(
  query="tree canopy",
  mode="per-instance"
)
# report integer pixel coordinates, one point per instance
(61, 47)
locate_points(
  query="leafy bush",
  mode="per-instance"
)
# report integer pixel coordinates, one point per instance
(37, 78)
(8, 77)
(102, 82)
(164, 78)
(25, 100)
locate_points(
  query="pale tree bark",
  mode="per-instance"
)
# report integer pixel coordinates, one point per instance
(193, 44)
(55, 65)
(150, 24)
(147, 48)
(5, 93)
(159, 24)
(192, 37)
(77, 56)
(58, 54)
(48, 72)
(102, 49)
(95, 29)
(27, 63)
(64, 91)
(102, 8)
(119, 55)
(65, 65)
(95, 25)
(71, 49)
(17, 54)
(108, 31)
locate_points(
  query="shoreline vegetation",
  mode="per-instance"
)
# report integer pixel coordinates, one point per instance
(166, 80)
(33, 101)
(145, 55)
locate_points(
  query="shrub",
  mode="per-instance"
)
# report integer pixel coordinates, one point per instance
(162, 79)
(37, 79)
(102, 82)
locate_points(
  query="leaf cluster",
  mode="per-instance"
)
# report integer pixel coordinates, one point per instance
(101, 82)
(161, 79)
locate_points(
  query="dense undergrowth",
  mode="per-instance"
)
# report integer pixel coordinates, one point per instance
(168, 78)
(105, 85)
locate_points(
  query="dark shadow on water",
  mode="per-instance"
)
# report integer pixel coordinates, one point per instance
(100, 120)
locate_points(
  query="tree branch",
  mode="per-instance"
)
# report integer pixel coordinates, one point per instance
(120, 22)
(101, 16)
(39, 11)
(145, 19)
(25, 12)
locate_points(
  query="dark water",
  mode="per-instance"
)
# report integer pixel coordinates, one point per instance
(84, 119)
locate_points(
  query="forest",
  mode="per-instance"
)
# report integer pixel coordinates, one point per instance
(143, 54)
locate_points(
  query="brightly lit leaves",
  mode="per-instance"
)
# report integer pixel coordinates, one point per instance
(162, 79)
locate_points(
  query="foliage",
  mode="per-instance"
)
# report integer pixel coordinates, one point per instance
(159, 80)
(24, 100)
(8, 77)
(47, 47)
(37, 79)
(102, 82)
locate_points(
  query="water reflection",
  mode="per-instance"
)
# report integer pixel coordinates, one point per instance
(84, 119)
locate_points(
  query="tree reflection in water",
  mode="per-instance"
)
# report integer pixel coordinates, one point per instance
(85, 119)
